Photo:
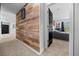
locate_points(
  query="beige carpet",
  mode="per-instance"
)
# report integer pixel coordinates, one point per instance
(15, 48)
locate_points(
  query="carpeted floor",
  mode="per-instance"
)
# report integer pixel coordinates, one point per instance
(15, 48)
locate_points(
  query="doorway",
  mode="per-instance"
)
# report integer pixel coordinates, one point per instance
(61, 28)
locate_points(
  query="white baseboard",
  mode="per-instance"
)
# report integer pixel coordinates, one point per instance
(41, 51)
(38, 53)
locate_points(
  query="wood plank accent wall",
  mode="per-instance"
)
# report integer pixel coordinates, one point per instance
(28, 29)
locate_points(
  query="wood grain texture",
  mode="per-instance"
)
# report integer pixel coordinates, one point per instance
(28, 28)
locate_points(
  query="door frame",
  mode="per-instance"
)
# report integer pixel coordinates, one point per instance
(71, 35)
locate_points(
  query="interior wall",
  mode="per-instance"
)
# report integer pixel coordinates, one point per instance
(43, 26)
(7, 16)
(71, 37)
(60, 10)
(0, 18)
(61, 13)
(76, 30)
(27, 29)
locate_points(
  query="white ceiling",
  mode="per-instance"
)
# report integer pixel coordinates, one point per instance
(12, 7)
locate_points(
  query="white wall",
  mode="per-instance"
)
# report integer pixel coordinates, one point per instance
(0, 18)
(60, 10)
(42, 27)
(76, 30)
(71, 38)
(9, 17)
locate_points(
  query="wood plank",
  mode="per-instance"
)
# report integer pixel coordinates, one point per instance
(28, 28)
